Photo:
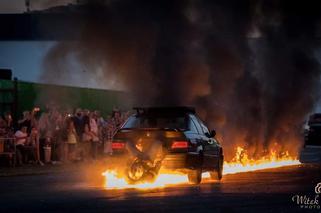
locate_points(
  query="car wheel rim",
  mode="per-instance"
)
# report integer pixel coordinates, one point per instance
(136, 172)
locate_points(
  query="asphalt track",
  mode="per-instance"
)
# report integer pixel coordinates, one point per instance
(78, 191)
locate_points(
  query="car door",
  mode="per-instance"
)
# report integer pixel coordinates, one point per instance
(211, 148)
(193, 133)
(199, 139)
(202, 141)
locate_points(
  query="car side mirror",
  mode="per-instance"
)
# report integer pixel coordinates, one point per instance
(213, 133)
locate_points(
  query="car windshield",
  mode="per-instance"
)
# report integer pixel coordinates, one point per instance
(157, 121)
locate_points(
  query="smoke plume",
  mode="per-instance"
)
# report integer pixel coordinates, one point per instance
(249, 67)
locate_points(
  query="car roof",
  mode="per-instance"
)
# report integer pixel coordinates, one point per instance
(164, 110)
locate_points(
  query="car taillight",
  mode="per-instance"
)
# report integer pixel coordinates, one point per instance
(118, 145)
(179, 145)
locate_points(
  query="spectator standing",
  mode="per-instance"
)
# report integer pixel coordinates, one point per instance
(100, 120)
(72, 141)
(117, 118)
(21, 138)
(100, 123)
(34, 142)
(87, 139)
(79, 123)
(31, 146)
(94, 132)
(25, 121)
(108, 134)
(86, 117)
(67, 118)
(44, 132)
(9, 121)
(61, 137)
(33, 119)
(56, 143)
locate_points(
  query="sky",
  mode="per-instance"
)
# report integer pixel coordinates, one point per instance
(24, 58)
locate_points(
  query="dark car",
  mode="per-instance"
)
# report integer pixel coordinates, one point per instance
(176, 136)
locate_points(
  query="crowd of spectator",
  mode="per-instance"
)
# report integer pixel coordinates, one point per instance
(79, 135)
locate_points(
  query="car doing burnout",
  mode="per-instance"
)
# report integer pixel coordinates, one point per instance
(181, 140)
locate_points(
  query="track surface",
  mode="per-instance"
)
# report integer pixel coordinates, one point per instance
(260, 191)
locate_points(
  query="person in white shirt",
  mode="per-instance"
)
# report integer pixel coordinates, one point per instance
(21, 139)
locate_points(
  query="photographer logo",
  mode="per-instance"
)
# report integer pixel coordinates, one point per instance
(317, 188)
(308, 202)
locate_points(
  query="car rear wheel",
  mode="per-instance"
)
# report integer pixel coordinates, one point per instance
(195, 176)
(218, 173)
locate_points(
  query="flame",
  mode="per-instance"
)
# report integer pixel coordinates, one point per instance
(240, 163)
(113, 181)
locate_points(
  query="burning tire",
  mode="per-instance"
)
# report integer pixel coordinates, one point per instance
(140, 171)
(195, 176)
(136, 172)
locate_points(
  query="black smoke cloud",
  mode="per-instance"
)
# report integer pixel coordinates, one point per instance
(249, 67)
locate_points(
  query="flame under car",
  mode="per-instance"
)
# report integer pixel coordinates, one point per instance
(172, 138)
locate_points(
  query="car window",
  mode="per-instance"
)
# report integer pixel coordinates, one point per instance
(192, 126)
(204, 127)
(159, 121)
(198, 126)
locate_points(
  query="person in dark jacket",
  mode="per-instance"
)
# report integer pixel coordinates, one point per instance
(79, 123)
